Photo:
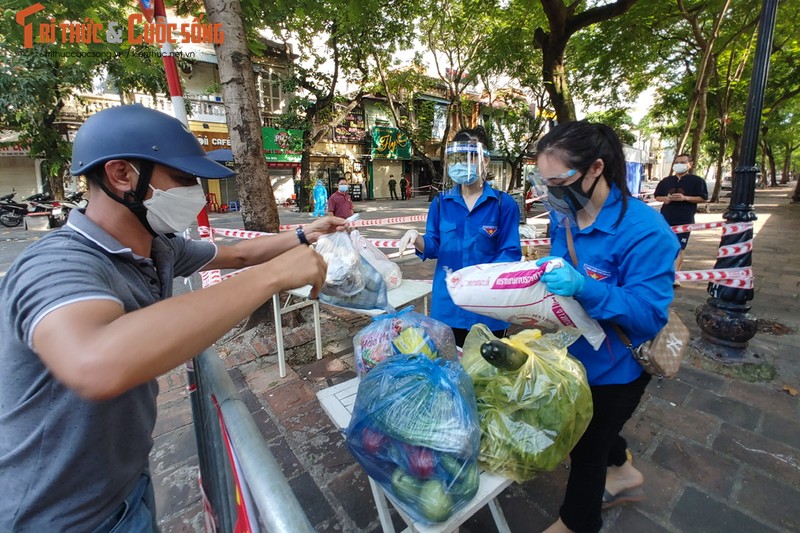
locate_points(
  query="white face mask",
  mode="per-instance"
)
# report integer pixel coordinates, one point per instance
(680, 168)
(174, 210)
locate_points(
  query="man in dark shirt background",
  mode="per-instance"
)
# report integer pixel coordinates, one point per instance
(340, 204)
(392, 187)
(680, 193)
(403, 185)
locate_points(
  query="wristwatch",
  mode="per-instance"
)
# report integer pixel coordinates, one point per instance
(302, 236)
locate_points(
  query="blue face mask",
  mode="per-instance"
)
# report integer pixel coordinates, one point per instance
(343, 188)
(462, 174)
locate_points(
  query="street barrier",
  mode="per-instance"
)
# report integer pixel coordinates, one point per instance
(241, 483)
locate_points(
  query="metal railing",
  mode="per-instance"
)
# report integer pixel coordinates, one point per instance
(239, 475)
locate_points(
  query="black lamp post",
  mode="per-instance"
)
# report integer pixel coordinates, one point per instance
(726, 324)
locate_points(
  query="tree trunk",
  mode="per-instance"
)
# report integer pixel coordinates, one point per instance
(787, 162)
(259, 210)
(555, 80)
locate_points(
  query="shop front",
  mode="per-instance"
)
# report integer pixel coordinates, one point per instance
(390, 156)
(17, 169)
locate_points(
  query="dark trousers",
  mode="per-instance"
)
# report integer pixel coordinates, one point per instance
(601, 446)
(392, 193)
(461, 335)
(403, 193)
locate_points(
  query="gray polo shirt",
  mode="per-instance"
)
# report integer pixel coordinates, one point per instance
(65, 462)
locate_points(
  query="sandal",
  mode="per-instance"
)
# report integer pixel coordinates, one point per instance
(634, 494)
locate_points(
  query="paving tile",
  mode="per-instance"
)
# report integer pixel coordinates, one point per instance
(700, 378)
(325, 448)
(662, 489)
(687, 421)
(173, 447)
(630, 518)
(282, 452)
(759, 452)
(765, 397)
(321, 370)
(190, 520)
(173, 415)
(352, 491)
(547, 489)
(730, 411)
(176, 488)
(263, 380)
(288, 396)
(785, 430)
(770, 500)
(671, 390)
(311, 499)
(267, 426)
(699, 512)
(697, 465)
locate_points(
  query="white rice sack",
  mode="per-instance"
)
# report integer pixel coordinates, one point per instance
(511, 292)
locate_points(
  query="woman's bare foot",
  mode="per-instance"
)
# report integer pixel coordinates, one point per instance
(557, 527)
(620, 478)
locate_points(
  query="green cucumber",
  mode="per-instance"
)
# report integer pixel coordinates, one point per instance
(502, 355)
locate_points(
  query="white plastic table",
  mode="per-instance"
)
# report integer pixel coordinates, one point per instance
(338, 402)
(408, 291)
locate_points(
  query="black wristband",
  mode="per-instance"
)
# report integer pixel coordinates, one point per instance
(302, 236)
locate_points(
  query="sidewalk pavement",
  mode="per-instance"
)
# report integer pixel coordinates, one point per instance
(718, 454)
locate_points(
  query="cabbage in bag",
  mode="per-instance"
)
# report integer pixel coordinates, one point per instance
(415, 431)
(533, 412)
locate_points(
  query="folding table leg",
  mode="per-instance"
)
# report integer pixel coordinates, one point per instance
(317, 329)
(276, 307)
(383, 507)
(499, 517)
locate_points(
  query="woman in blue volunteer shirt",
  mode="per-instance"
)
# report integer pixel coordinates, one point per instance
(470, 224)
(623, 276)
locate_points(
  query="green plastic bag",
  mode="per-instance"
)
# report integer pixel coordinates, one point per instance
(532, 417)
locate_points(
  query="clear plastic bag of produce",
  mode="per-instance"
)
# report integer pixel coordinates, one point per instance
(405, 332)
(512, 292)
(344, 275)
(415, 431)
(388, 269)
(371, 297)
(534, 402)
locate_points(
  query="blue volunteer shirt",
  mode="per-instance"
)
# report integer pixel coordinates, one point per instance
(458, 238)
(629, 271)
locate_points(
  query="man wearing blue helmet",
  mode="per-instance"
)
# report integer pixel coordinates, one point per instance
(91, 323)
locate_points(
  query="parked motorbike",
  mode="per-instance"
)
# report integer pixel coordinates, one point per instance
(72, 200)
(43, 203)
(11, 212)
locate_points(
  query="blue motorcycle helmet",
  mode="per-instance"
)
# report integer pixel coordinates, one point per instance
(140, 133)
(150, 137)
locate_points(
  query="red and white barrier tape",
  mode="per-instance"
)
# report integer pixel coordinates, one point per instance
(535, 242)
(715, 275)
(210, 277)
(732, 250)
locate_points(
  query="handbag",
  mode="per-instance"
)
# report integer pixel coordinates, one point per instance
(662, 355)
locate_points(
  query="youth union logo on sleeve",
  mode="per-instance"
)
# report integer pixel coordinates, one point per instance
(490, 230)
(596, 273)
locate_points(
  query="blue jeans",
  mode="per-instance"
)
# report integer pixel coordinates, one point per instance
(137, 514)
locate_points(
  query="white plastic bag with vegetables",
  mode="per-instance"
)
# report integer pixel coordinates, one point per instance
(534, 402)
(344, 275)
(350, 282)
(388, 269)
(415, 431)
(512, 292)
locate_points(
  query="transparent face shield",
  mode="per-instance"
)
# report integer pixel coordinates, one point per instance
(562, 195)
(464, 162)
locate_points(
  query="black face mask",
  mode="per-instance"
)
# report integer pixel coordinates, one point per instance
(569, 199)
